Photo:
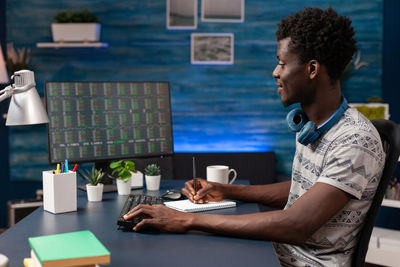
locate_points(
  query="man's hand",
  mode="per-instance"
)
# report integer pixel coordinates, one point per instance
(160, 217)
(206, 191)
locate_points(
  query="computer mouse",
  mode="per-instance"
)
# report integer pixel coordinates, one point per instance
(172, 194)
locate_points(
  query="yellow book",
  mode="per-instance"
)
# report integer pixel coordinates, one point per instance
(33, 262)
(28, 262)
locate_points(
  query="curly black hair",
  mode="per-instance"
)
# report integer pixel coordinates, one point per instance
(322, 35)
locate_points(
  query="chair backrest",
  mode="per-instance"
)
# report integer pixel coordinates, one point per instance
(390, 136)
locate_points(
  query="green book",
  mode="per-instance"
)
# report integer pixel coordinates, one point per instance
(69, 249)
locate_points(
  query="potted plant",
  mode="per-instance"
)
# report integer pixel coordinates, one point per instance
(153, 177)
(17, 58)
(94, 188)
(137, 179)
(80, 26)
(123, 169)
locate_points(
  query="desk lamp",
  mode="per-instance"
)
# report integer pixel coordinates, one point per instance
(25, 108)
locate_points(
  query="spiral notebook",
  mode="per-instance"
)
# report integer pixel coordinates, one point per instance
(187, 206)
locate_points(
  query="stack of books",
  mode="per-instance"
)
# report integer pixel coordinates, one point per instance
(80, 248)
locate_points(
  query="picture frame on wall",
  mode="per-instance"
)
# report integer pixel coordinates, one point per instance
(372, 110)
(181, 14)
(212, 48)
(222, 10)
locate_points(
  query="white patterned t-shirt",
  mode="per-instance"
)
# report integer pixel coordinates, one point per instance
(350, 157)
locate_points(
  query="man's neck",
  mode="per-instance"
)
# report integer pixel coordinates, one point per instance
(326, 101)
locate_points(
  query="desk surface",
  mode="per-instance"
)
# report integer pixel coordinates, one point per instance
(139, 249)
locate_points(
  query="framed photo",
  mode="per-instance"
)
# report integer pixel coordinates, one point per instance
(372, 110)
(222, 10)
(212, 48)
(181, 14)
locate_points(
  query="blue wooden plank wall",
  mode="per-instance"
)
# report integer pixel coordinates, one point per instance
(215, 108)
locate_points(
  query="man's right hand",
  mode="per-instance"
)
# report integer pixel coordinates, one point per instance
(205, 191)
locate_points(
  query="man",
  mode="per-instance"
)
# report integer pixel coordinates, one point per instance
(334, 177)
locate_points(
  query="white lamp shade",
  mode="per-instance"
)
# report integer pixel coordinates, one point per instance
(26, 108)
(3, 69)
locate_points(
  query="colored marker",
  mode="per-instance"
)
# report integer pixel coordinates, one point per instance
(62, 167)
(66, 165)
(58, 168)
(76, 166)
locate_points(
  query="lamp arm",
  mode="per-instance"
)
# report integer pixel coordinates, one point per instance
(23, 88)
(10, 90)
(6, 93)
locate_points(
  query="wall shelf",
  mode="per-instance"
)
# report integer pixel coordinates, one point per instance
(73, 45)
(391, 203)
(383, 256)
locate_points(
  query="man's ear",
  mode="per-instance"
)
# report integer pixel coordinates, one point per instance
(313, 68)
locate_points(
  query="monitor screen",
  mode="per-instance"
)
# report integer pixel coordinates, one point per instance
(99, 121)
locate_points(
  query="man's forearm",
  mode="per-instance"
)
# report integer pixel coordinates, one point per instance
(274, 226)
(272, 195)
(294, 225)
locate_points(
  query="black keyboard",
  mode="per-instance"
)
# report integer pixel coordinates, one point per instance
(131, 202)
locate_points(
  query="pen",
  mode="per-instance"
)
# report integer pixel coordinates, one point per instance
(76, 166)
(66, 165)
(62, 167)
(58, 168)
(194, 175)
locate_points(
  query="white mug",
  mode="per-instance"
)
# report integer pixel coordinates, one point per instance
(220, 174)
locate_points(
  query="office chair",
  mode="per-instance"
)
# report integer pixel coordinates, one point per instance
(390, 136)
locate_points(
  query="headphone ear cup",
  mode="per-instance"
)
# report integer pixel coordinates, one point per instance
(307, 134)
(296, 119)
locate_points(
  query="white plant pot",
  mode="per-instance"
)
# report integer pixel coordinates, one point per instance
(94, 192)
(137, 179)
(124, 187)
(153, 182)
(75, 32)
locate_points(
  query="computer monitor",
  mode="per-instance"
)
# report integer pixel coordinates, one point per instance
(105, 121)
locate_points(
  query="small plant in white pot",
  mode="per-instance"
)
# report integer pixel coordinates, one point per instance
(94, 188)
(73, 26)
(123, 169)
(153, 176)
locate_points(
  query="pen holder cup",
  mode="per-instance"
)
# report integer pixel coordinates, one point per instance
(59, 192)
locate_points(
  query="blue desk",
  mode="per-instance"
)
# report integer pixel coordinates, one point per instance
(139, 249)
